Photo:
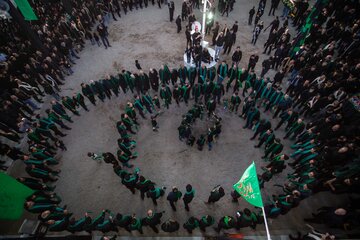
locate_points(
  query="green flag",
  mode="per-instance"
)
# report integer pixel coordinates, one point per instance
(12, 197)
(248, 186)
(26, 10)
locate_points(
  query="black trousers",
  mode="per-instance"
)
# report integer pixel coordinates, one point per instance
(172, 205)
(272, 8)
(227, 48)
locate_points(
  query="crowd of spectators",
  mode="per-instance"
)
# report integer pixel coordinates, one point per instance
(319, 105)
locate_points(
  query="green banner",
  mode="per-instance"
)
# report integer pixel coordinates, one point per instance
(26, 10)
(12, 197)
(248, 186)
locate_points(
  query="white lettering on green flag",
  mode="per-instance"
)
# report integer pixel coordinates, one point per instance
(12, 197)
(248, 186)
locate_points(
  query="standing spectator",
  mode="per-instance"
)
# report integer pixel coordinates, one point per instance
(171, 6)
(188, 196)
(178, 23)
(254, 58)
(229, 41)
(216, 194)
(274, 5)
(256, 32)
(251, 15)
(103, 33)
(220, 39)
(236, 57)
(173, 197)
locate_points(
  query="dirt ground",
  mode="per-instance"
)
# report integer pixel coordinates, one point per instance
(85, 185)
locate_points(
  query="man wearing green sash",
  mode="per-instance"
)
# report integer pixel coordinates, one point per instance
(115, 84)
(155, 193)
(206, 221)
(235, 102)
(147, 100)
(232, 74)
(165, 95)
(152, 219)
(288, 116)
(144, 186)
(275, 148)
(78, 99)
(135, 224)
(191, 224)
(164, 74)
(88, 92)
(274, 99)
(182, 74)
(139, 106)
(122, 221)
(173, 197)
(48, 161)
(35, 184)
(211, 73)
(188, 196)
(78, 225)
(59, 109)
(202, 74)
(58, 225)
(201, 142)
(56, 119)
(222, 71)
(47, 123)
(70, 104)
(241, 73)
(197, 91)
(42, 172)
(226, 222)
(122, 82)
(295, 129)
(128, 80)
(246, 219)
(191, 74)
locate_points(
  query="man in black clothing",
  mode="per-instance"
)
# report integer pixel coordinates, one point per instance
(273, 7)
(235, 27)
(152, 220)
(278, 57)
(188, 196)
(178, 23)
(215, 194)
(266, 64)
(270, 42)
(251, 15)
(102, 30)
(215, 32)
(332, 217)
(144, 185)
(229, 41)
(274, 24)
(196, 38)
(170, 226)
(184, 11)
(173, 197)
(171, 6)
(237, 55)
(254, 58)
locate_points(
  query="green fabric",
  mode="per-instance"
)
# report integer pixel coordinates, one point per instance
(227, 220)
(12, 197)
(248, 186)
(26, 10)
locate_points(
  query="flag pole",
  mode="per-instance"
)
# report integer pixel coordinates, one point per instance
(266, 226)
